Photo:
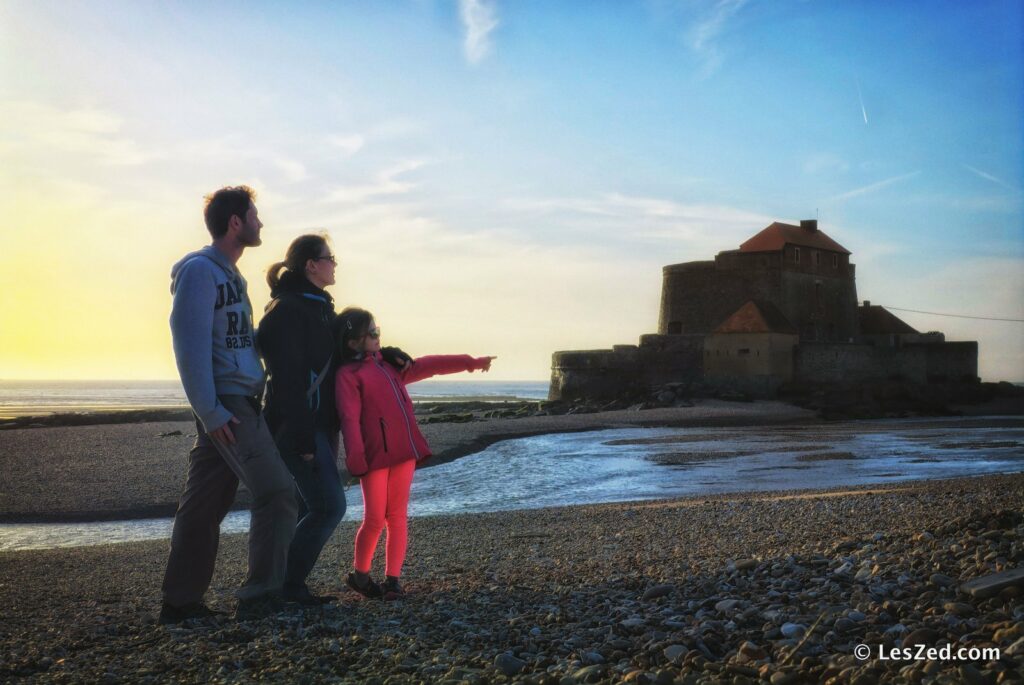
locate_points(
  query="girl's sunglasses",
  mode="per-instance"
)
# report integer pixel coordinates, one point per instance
(374, 333)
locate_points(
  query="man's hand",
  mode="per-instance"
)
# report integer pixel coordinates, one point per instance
(484, 363)
(306, 457)
(223, 435)
(396, 357)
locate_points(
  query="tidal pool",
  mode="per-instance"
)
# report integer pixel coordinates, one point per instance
(631, 464)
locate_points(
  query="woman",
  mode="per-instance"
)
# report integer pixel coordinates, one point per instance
(297, 342)
(383, 444)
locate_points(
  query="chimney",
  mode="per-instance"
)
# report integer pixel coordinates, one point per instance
(810, 225)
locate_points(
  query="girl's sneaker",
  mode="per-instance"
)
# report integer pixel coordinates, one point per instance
(391, 588)
(364, 586)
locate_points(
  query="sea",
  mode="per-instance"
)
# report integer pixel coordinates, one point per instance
(41, 398)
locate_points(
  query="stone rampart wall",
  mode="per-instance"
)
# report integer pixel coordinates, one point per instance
(921, 363)
(626, 370)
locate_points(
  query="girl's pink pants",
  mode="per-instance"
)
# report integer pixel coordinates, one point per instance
(385, 502)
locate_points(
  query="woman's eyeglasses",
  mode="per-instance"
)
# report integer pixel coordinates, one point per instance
(329, 258)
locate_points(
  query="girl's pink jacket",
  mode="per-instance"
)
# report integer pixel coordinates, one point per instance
(377, 421)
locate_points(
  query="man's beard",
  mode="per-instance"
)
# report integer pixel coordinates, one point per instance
(250, 237)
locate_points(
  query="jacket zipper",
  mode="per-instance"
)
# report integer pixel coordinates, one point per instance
(401, 406)
(383, 433)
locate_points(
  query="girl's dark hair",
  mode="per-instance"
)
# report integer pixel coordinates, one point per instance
(302, 249)
(352, 324)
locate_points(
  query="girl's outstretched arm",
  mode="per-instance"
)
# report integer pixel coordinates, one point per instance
(438, 364)
(350, 408)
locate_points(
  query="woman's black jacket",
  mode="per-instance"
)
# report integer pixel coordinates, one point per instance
(296, 341)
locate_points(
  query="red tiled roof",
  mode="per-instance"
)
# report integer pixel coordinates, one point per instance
(757, 317)
(777, 235)
(877, 320)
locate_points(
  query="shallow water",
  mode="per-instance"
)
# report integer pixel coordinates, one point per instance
(647, 463)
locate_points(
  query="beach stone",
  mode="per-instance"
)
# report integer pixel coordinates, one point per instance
(746, 564)
(958, 608)
(589, 674)
(855, 615)
(1016, 648)
(675, 653)
(727, 605)
(941, 579)
(842, 625)
(784, 678)
(752, 651)
(921, 636)
(664, 677)
(508, 664)
(793, 629)
(657, 591)
(633, 624)
(972, 676)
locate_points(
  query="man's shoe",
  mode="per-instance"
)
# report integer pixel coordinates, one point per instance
(364, 586)
(302, 596)
(392, 589)
(259, 607)
(170, 614)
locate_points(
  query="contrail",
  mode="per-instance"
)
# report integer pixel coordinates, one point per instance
(860, 96)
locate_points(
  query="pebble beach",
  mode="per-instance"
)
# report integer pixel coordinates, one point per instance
(776, 587)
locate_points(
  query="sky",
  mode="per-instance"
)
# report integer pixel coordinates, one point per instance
(499, 177)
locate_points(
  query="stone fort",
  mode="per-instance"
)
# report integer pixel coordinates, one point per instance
(782, 308)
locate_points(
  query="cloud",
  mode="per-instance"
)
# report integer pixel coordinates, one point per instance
(293, 171)
(89, 132)
(386, 183)
(703, 36)
(349, 145)
(437, 287)
(480, 18)
(873, 187)
(990, 177)
(619, 221)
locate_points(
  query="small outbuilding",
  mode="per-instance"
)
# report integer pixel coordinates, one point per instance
(752, 350)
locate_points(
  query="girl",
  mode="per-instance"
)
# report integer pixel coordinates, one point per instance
(383, 444)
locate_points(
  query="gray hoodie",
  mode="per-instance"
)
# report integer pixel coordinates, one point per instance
(212, 331)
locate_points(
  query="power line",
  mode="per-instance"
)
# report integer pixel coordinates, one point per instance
(955, 316)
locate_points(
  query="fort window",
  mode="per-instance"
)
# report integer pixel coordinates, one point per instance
(835, 261)
(743, 351)
(796, 255)
(817, 257)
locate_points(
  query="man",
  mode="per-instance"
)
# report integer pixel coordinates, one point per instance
(212, 330)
